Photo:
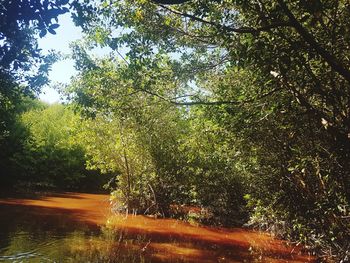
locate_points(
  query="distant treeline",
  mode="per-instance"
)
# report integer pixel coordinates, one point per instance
(40, 150)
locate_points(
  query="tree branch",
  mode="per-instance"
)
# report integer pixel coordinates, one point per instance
(242, 30)
(208, 103)
(328, 57)
(170, 2)
(251, 100)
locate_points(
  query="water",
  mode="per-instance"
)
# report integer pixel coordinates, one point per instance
(75, 227)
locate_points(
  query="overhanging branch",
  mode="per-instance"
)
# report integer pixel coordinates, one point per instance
(208, 103)
(241, 30)
(170, 2)
(332, 61)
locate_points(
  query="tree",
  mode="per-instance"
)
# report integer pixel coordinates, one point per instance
(20, 21)
(274, 75)
(23, 69)
(46, 152)
(128, 138)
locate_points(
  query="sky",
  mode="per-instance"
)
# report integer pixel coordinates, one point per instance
(61, 71)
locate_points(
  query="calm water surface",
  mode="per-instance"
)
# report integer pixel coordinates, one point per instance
(75, 227)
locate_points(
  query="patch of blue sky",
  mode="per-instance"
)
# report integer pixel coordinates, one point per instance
(63, 70)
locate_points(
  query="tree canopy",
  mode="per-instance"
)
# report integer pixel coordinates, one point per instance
(241, 108)
(273, 75)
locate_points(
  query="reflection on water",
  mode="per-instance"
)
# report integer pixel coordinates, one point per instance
(74, 227)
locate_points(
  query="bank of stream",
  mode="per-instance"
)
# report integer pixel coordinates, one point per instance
(76, 227)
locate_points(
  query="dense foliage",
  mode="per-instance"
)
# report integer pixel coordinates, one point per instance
(23, 68)
(37, 146)
(241, 108)
(272, 79)
(45, 152)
